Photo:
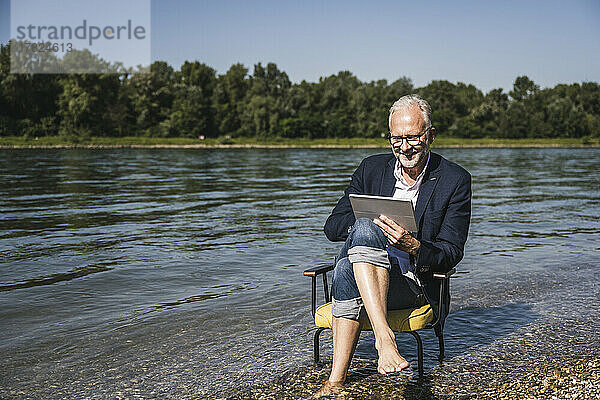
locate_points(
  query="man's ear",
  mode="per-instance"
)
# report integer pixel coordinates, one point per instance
(432, 133)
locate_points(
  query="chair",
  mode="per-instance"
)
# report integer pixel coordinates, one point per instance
(408, 320)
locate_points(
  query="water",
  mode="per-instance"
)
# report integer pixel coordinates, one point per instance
(177, 273)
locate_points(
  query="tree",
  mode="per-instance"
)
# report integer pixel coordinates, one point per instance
(194, 101)
(86, 104)
(193, 113)
(523, 88)
(266, 101)
(228, 100)
(152, 98)
(450, 102)
(27, 101)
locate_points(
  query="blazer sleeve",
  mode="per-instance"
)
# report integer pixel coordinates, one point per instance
(447, 249)
(341, 220)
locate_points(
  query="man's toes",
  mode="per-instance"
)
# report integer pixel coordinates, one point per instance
(399, 368)
(384, 369)
(392, 367)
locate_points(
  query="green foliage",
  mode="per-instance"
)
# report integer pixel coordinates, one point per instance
(151, 96)
(194, 102)
(192, 112)
(86, 105)
(228, 99)
(450, 103)
(265, 103)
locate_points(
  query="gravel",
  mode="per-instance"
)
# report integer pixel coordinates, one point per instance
(542, 344)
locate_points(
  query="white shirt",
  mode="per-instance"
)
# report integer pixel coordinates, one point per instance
(405, 191)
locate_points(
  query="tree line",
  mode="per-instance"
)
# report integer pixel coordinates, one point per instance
(264, 104)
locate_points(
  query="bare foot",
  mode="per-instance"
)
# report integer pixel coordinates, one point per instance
(330, 389)
(389, 359)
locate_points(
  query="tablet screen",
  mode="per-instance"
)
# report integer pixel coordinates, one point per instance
(400, 211)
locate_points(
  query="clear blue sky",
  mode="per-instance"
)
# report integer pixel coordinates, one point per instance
(484, 43)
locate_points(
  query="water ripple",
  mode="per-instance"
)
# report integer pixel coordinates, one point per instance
(205, 249)
(75, 273)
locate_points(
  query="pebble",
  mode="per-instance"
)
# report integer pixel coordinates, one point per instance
(572, 379)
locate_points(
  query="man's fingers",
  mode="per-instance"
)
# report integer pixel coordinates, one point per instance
(396, 236)
(384, 227)
(399, 231)
(390, 222)
(383, 224)
(387, 230)
(391, 236)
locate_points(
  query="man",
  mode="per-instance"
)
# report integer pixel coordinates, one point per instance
(382, 266)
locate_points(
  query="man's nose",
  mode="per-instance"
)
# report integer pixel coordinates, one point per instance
(404, 146)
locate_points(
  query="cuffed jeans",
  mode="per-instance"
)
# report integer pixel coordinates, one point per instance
(367, 243)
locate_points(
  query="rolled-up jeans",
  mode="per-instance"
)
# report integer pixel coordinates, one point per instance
(367, 243)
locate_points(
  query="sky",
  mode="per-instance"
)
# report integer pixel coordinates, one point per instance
(76, 13)
(485, 43)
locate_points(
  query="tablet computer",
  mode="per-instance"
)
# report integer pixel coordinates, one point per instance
(400, 211)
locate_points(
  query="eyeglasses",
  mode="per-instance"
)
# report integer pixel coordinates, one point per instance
(412, 140)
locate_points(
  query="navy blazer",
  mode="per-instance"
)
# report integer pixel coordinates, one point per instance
(442, 212)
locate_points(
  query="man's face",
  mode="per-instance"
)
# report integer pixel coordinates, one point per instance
(410, 122)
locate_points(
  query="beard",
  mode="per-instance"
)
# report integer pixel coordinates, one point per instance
(413, 157)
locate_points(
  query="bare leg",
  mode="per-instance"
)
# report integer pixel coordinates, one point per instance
(345, 337)
(373, 283)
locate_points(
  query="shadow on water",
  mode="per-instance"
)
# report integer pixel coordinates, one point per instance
(466, 329)
(480, 326)
(78, 272)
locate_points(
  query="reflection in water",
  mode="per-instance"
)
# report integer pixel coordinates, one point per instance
(177, 273)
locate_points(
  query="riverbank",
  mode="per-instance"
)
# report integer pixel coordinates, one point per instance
(151, 142)
(576, 379)
(539, 342)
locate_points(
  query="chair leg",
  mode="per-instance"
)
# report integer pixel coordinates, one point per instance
(316, 344)
(419, 352)
(441, 343)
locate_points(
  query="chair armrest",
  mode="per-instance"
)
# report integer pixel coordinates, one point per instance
(319, 269)
(444, 290)
(447, 275)
(313, 272)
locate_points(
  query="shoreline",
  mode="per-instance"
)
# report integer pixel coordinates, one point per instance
(288, 146)
(226, 142)
(566, 378)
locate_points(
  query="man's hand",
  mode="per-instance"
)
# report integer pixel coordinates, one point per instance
(398, 236)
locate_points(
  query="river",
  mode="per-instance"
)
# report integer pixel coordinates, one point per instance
(177, 273)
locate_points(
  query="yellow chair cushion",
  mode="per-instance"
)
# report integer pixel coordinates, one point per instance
(405, 320)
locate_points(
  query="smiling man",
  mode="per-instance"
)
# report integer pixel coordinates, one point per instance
(381, 266)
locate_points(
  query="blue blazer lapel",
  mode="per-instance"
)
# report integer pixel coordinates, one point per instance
(430, 180)
(388, 180)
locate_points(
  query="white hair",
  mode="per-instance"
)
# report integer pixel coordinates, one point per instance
(408, 101)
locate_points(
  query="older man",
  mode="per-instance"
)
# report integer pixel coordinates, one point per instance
(382, 266)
